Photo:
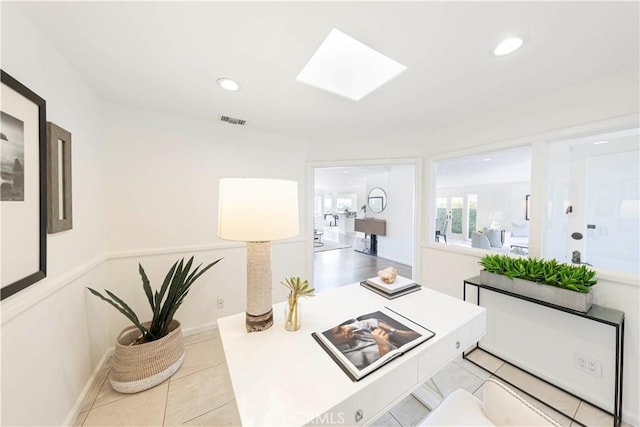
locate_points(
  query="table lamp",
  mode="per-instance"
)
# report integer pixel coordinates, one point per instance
(257, 211)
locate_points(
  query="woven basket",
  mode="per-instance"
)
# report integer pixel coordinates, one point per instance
(139, 367)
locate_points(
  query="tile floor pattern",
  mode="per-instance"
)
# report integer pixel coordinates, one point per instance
(200, 393)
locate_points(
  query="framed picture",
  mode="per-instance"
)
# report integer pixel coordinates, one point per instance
(23, 200)
(59, 215)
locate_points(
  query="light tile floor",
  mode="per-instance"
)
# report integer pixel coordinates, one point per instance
(200, 393)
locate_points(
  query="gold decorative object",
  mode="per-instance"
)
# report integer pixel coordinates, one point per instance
(388, 275)
(298, 288)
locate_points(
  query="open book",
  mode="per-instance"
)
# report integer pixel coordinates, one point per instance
(363, 344)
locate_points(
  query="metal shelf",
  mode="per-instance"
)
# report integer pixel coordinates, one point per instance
(596, 313)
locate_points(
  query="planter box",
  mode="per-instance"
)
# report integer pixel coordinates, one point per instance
(139, 367)
(553, 295)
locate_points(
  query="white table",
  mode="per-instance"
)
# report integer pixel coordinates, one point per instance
(285, 378)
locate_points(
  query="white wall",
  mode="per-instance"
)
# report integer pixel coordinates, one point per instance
(398, 243)
(162, 200)
(48, 353)
(163, 175)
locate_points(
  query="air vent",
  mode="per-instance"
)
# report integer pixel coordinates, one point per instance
(232, 120)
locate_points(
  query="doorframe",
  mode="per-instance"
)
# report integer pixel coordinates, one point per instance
(416, 162)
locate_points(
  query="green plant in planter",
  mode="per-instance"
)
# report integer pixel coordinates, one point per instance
(176, 286)
(577, 278)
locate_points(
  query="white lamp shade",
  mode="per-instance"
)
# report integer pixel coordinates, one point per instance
(257, 209)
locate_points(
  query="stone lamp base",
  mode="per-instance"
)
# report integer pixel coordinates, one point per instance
(259, 316)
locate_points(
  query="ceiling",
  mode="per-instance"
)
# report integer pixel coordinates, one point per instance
(166, 56)
(349, 179)
(498, 167)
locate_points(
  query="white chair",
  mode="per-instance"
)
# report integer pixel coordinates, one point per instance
(501, 407)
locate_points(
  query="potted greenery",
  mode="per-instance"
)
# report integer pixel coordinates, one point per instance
(148, 353)
(545, 280)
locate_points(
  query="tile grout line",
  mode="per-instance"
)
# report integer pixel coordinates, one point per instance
(393, 416)
(95, 399)
(166, 403)
(204, 368)
(577, 409)
(209, 411)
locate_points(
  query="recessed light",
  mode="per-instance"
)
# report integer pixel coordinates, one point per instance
(344, 66)
(228, 84)
(507, 46)
(600, 142)
(486, 160)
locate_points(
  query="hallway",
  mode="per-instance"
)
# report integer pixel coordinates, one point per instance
(339, 267)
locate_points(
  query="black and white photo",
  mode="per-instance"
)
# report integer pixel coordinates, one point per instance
(12, 158)
(24, 198)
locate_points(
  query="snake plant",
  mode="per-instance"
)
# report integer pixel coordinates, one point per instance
(176, 286)
(577, 278)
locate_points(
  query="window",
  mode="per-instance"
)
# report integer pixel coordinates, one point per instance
(441, 211)
(485, 190)
(472, 206)
(344, 205)
(456, 215)
(594, 201)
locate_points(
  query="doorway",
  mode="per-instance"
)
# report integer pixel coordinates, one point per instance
(338, 195)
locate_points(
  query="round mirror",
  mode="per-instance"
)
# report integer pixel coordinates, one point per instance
(377, 200)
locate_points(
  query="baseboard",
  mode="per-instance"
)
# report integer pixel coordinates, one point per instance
(202, 328)
(72, 416)
(394, 260)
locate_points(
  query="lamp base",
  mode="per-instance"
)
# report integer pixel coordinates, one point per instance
(260, 322)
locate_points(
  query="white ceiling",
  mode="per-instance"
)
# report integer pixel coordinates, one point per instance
(350, 179)
(166, 56)
(498, 167)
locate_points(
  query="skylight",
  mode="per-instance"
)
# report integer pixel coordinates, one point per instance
(346, 67)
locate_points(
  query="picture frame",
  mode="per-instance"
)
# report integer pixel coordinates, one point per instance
(59, 206)
(23, 196)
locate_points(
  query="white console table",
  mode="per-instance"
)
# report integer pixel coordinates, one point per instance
(286, 378)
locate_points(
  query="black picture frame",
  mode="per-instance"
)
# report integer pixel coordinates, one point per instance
(34, 136)
(527, 206)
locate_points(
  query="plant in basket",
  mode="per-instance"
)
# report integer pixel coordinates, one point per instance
(148, 353)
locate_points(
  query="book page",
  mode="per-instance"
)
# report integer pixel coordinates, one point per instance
(365, 343)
